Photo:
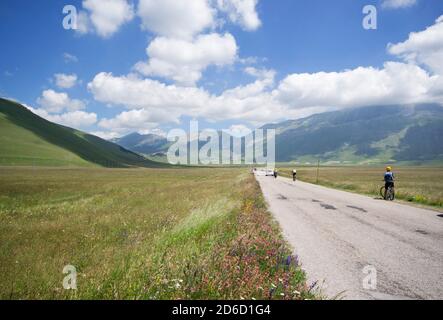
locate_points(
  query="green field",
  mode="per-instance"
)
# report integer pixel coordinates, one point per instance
(423, 185)
(141, 234)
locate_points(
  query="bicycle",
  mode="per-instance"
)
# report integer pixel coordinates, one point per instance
(390, 193)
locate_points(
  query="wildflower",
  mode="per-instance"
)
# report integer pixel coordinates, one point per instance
(288, 260)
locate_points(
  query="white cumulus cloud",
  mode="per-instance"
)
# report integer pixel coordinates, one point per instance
(184, 61)
(133, 120)
(65, 81)
(424, 47)
(57, 102)
(150, 101)
(176, 18)
(105, 17)
(242, 12)
(396, 83)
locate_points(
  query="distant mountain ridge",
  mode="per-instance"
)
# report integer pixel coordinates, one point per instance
(376, 134)
(144, 144)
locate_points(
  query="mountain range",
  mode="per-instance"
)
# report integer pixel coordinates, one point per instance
(376, 134)
(147, 144)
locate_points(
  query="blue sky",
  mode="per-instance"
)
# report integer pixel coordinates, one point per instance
(238, 63)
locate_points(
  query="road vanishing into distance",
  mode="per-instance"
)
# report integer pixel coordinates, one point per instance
(345, 241)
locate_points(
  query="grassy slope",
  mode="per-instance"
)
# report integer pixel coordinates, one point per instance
(422, 185)
(30, 140)
(19, 146)
(141, 234)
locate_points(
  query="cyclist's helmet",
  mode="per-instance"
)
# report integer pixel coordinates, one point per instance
(388, 169)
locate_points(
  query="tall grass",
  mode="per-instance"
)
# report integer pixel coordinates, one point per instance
(141, 234)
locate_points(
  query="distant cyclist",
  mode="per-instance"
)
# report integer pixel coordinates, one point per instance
(294, 174)
(389, 180)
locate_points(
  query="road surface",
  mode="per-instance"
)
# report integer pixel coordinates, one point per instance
(339, 236)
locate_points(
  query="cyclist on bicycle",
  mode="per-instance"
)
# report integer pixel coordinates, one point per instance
(389, 180)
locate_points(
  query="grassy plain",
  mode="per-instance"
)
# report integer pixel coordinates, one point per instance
(423, 185)
(141, 234)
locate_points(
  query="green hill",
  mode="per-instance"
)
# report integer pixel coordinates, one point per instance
(27, 139)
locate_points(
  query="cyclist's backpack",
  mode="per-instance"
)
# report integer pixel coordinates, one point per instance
(389, 177)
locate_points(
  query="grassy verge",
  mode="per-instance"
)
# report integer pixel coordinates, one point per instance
(422, 185)
(141, 234)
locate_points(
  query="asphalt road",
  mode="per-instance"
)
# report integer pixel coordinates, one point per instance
(345, 240)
